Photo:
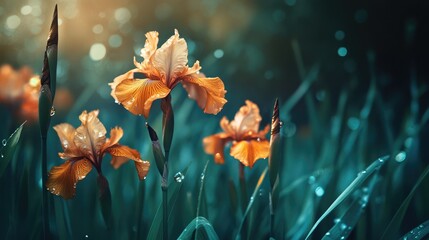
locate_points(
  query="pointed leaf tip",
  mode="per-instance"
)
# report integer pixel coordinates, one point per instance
(152, 134)
(275, 121)
(53, 33)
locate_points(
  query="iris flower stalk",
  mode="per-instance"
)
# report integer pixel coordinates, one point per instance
(163, 69)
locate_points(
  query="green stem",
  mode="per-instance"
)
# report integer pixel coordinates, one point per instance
(164, 187)
(242, 187)
(272, 216)
(45, 202)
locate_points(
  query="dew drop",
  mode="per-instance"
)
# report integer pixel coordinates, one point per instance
(178, 177)
(52, 111)
(337, 220)
(258, 139)
(401, 156)
(4, 142)
(327, 234)
(202, 176)
(86, 236)
(343, 226)
(319, 191)
(2, 156)
(261, 192)
(311, 180)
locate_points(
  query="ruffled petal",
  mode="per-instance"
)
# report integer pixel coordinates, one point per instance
(171, 59)
(150, 45)
(121, 154)
(66, 134)
(116, 134)
(246, 121)
(226, 127)
(142, 168)
(137, 95)
(248, 152)
(209, 93)
(91, 135)
(215, 145)
(62, 179)
(120, 78)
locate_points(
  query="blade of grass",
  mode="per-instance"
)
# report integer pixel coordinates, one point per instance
(300, 91)
(303, 179)
(418, 232)
(362, 176)
(194, 225)
(391, 231)
(8, 149)
(241, 229)
(200, 194)
(155, 228)
(343, 227)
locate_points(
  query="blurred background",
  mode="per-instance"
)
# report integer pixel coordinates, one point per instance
(331, 51)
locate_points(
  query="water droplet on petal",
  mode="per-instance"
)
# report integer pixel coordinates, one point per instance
(52, 111)
(4, 142)
(178, 177)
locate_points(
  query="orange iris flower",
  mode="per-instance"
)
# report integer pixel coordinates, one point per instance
(84, 148)
(163, 68)
(248, 143)
(19, 89)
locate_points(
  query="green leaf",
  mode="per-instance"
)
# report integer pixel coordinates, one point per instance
(167, 123)
(45, 106)
(105, 198)
(155, 231)
(362, 176)
(418, 232)
(156, 148)
(8, 149)
(274, 157)
(391, 231)
(344, 225)
(194, 225)
(241, 230)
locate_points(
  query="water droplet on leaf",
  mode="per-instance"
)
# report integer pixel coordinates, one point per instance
(52, 111)
(4, 142)
(319, 191)
(178, 177)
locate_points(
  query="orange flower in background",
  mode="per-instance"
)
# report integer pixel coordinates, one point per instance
(85, 148)
(19, 90)
(12, 82)
(248, 143)
(30, 100)
(163, 68)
